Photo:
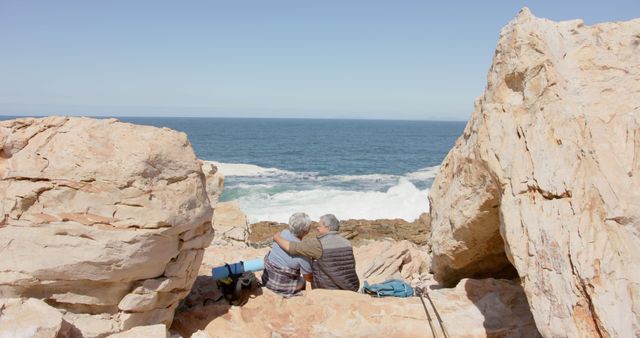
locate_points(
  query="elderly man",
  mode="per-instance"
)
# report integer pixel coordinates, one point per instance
(334, 266)
(282, 270)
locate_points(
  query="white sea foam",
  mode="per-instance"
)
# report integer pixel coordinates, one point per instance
(369, 177)
(252, 170)
(249, 170)
(424, 173)
(260, 193)
(403, 200)
(252, 186)
(418, 175)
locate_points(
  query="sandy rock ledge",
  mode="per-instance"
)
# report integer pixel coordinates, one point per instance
(475, 308)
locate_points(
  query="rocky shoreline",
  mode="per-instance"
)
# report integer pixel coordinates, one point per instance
(355, 230)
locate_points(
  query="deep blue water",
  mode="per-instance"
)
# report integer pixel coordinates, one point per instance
(328, 147)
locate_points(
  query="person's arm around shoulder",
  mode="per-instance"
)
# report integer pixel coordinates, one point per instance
(283, 243)
(309, 247)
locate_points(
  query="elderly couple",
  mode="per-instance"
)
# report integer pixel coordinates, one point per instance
(326, 261)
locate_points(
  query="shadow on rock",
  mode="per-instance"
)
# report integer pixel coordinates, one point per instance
(205, 303)
(503, 305)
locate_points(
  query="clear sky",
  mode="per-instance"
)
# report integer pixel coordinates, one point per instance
(327, 59)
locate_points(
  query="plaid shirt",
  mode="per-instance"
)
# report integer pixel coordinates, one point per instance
(282, 280)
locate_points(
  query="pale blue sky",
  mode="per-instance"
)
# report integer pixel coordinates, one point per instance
(328, 59)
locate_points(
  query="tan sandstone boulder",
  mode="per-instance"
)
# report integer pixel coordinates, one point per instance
(29, 318)
(214, 180)
(147, 331)
(545, 177)
(105, 220)
(230, 224)
(378, 261)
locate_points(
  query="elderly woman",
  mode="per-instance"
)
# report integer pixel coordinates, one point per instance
(284, 273)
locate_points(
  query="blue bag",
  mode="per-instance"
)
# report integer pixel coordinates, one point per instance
(388, 288)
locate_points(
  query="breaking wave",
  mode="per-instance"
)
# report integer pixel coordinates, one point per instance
(401, 201)
(249, 170)
(272, 194)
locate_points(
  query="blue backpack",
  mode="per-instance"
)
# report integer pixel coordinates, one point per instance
(388, 288)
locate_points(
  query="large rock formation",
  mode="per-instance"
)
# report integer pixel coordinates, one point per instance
(546, 177)
(106, 221)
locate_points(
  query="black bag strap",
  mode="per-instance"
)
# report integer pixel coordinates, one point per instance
(228, 268)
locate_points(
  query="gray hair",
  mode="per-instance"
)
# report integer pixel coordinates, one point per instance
(299, 223)
(330, 221)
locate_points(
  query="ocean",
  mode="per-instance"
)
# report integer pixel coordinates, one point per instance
(355, 169)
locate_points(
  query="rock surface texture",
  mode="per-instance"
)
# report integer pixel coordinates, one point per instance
(545, 177)
(378, 261)
(214, 180)
(103, 220)
(356, 231)
(29, 318)
(230, 224)
(148, 331)
(475, 308)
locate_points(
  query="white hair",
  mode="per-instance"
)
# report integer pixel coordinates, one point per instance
(330, 221)
(299, 223)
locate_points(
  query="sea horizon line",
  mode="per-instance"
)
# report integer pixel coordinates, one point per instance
(9, 116)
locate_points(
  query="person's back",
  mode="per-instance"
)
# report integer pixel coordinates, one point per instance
(281, 258)
(282, 270)
(336, 268)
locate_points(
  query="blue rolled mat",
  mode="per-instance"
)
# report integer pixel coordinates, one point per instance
(254, 265)
(234, 269)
